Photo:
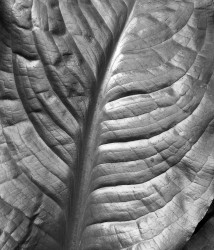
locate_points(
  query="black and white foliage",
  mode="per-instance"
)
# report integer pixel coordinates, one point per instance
(106, 124)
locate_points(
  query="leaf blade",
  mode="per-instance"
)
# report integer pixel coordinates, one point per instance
(140, 153)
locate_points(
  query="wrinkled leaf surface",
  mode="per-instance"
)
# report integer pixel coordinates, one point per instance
(107, 130)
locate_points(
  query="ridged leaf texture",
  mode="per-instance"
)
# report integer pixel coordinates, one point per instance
(107, 130)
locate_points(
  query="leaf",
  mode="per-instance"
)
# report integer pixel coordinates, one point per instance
(106, 123)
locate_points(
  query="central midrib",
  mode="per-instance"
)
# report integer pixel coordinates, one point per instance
(89, 142)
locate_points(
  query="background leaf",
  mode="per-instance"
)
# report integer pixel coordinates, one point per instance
(203, 235)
